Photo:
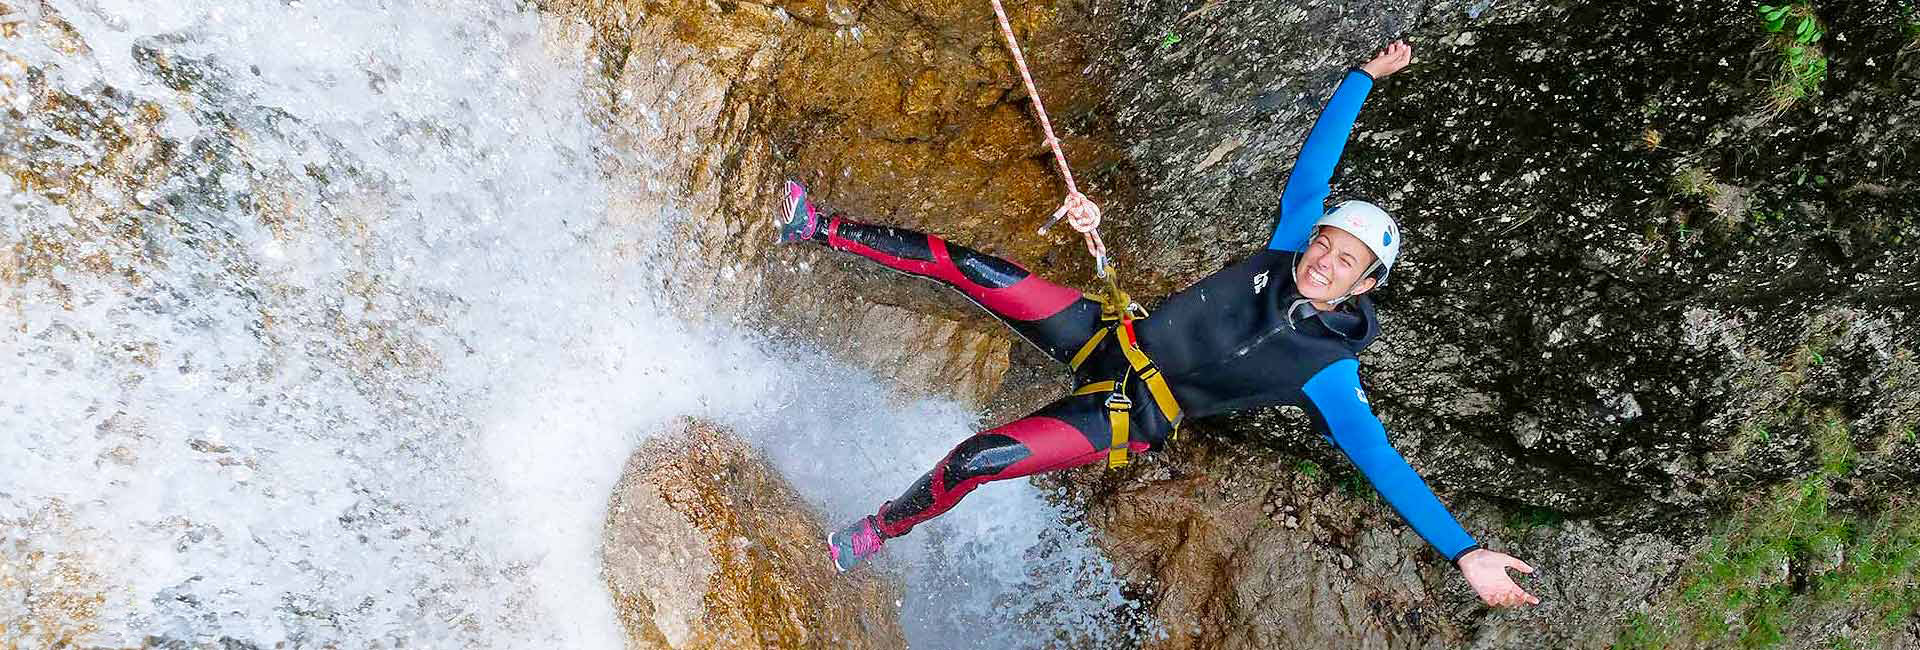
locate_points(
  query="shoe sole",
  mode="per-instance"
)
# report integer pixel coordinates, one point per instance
(796, 195)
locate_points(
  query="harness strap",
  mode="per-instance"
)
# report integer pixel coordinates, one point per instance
(1096, 387)
(1156, 383)
(1119, 419)
(1087, 350)
(1116, 307)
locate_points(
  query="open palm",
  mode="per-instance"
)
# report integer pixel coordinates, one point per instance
(1390, 60)
(1487, 572)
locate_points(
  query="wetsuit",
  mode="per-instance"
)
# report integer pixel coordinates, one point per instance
(1226, 343)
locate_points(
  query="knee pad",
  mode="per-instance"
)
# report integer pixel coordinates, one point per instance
(982, 455)
(898, 242)
(985, 270)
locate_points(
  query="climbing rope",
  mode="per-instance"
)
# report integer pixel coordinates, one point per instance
(1075, 203)
(1115, 307)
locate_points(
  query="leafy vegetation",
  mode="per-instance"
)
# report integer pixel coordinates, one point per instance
(1796, 35)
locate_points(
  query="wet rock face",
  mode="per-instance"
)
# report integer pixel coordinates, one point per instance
(1634, 287)
(1558, 285)
(707, 547)
(903, 113)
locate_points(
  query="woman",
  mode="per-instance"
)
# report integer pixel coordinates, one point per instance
(1283, 327)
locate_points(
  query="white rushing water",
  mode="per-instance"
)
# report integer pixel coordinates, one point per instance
(356, 363)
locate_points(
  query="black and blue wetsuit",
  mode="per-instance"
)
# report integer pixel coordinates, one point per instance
(1225, 344)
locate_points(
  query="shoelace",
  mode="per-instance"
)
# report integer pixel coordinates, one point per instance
(866, 540)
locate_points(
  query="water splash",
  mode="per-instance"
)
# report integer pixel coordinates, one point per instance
(317, 333)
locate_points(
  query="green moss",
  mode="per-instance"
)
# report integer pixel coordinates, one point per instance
(1787, 551)
(1356, 485)
(1307, 468)
(1833, 441)
(1527, 518)
(1910, 20)
(1642, 632)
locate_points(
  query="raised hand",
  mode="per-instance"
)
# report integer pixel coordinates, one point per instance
(1390, 60)
(1487, 572)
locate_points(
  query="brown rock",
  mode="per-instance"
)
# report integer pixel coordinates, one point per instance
(893, 112)
(707, 547)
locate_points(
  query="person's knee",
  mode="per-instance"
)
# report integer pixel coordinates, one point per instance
(985, 270)
(983, 456)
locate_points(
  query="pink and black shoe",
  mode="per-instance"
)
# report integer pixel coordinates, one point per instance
(858, 541)
(799, 222)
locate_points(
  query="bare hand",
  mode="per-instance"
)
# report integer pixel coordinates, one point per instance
(1487, 572)
(1390, 60)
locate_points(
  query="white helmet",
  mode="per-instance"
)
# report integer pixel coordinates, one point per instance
(1373, 226)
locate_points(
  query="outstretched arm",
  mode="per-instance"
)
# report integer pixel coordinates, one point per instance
(1337, 401)
(1306, 193)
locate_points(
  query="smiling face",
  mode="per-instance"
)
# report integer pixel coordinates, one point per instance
(1333, 261)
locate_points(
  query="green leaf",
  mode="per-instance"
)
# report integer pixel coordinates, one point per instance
(1774, 24)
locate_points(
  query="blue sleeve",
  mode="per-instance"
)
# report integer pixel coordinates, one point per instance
(1335, 395)
(1305, 197)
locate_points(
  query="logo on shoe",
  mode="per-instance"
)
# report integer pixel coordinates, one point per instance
(1361, 394)
(1260, 281)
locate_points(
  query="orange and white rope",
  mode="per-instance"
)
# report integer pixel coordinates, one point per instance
(1076, 203)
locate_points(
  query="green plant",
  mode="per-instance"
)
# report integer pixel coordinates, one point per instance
(1356, 485)
(1307, 468)
(1694, 182)
(1169, 40)
(1528, 518)
(1796, 34)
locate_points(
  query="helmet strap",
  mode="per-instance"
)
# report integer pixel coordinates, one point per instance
(1375, 266)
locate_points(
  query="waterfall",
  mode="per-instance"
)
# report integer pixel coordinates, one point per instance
(315, 330)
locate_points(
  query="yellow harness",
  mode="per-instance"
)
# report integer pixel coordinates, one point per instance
(1119, 309)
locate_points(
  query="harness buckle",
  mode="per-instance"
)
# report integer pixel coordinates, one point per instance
(1136, 312)
(1118, 401)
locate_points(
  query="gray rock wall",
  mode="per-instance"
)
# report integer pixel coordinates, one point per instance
(1637, 289)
